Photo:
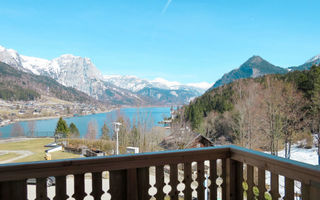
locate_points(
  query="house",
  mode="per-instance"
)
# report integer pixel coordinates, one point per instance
(22, 112)
(36, 112)
(180, 140)
(199, 141)
(132, 150)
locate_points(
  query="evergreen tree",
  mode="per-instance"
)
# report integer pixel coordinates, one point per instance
(74, 130)
(135, 136)
(105, 132)
(62, 128)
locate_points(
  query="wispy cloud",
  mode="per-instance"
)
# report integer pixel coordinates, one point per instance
(166, 6)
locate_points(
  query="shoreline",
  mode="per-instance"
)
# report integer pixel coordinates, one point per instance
(69, 116)
(50, 117)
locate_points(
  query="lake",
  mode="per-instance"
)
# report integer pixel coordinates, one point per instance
(150, 115)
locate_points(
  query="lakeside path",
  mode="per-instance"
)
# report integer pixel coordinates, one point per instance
(23, 154)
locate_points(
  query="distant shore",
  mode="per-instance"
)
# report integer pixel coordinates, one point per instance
(50, 117)
(71, 115)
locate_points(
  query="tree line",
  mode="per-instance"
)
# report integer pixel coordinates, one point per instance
(138, 132)
(268, 113)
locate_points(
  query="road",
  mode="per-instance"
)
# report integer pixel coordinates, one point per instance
(22, 154)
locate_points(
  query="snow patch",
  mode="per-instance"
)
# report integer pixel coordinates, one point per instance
(202, 85)
(309, 156)
(313, 59)
(166, 82)
(174, 93)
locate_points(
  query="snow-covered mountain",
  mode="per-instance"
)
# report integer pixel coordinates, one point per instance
(81, 74)
(308, 64)
(159, 89)
(69, 70)
(136, 84)
(131, 83)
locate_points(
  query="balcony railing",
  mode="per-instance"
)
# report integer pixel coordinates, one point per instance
(226, 172)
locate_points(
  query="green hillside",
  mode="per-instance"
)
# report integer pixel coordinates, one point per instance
(254, 112)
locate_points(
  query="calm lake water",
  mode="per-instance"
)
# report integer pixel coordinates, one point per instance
(151, 115)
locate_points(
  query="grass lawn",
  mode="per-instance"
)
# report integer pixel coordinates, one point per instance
(8, 156)
(37, 147)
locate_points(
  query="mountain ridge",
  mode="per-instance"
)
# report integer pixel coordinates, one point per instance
(254, 67)
(12, 79)
(80, 73)
(315, 60)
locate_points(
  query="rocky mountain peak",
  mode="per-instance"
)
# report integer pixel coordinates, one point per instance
(255, 66)
(314, 59)
(255, 59)
(80, 73)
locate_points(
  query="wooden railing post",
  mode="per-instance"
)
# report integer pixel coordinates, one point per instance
(213, 178)
(289, 188)
(118, 184)
(16, 190)
(310, 191)
(174, 193)
(250, 181)
(223, 176)
(41, 189)
(143, 183)
(314, 190)
(79, 187)
(132, 184)
(61, 188)
(160, 182)
(234, 180)
(200, 179)
(187, 181)
(97, 191)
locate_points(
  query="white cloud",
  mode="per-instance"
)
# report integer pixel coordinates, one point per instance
(166, 82)
(202, 85)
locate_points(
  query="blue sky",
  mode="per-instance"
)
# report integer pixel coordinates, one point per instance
(179, 40)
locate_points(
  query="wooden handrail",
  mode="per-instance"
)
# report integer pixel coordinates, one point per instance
(286, 167)
(17, 171)
(134, 168)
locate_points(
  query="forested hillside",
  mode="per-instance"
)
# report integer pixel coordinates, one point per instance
(264, 112)
(18, 85)
(253, 67)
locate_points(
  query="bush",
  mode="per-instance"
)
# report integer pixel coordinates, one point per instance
(103, 145)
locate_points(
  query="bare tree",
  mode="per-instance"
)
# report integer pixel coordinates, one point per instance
(32, 127)
(92, 130)
(248, 115)
(17, 130)
(273, 103)
(292, 115)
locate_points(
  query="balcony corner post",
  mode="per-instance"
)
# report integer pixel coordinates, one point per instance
(233, 180)
(314, 190)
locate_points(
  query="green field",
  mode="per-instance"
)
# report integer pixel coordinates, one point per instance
(37, 147)
(8, 156)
